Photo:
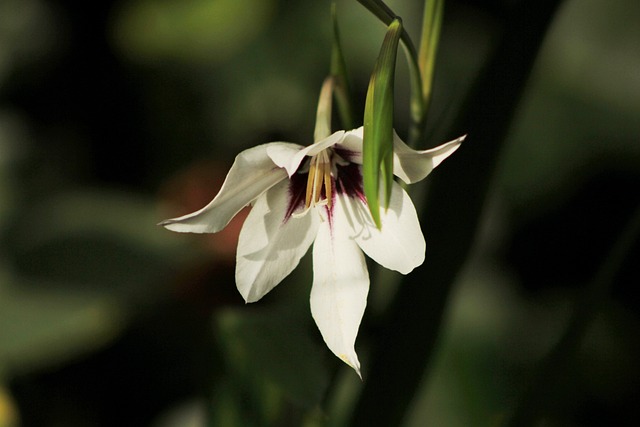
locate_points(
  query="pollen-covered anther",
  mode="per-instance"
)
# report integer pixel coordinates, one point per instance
(319, 177)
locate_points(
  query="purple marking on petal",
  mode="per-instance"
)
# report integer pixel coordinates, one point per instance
(329, 211)
(349, 181)
(345, 154)
(334, 199)
(297, 192)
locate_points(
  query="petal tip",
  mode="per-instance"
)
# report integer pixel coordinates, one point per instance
(417, 262)
(353, 362)
(179, 226)
(169, 224)
(248, 293)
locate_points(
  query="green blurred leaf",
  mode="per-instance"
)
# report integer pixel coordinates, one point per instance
(378, 124)
(78, 264)
(97, 239)
(273, 348)
(191, 30)
(40, 327)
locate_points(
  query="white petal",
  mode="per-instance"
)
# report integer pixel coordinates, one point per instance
(314, 149)
(413, 166)
(251, 174)
(400, 244)
(352, 142)
(281, 154)
(269, 247)
(340, 288)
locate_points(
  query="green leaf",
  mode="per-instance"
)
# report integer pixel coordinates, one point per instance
(273, 346)
(40, 327)
(100, 240)
(378, 124)
(78, 266)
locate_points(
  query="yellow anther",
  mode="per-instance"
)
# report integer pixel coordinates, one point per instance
(310, 182)
(327, 182)
(319, 177)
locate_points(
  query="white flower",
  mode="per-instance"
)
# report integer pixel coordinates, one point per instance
(314, 195)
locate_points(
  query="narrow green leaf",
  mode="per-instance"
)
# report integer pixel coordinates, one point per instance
(340, 76)
(378, 123)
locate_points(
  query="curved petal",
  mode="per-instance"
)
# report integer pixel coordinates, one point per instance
(251, 174)
(314, 149)
(270, 247)
(281, 154)
(352, 143)
(412, 166)
(340, 288)
(399, 245)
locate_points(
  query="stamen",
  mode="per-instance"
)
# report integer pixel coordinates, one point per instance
(320, 167)
(317, 184)
(327, 181)
(310, 180)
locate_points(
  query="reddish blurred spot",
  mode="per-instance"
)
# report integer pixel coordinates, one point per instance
(211, 283)
(193, 189)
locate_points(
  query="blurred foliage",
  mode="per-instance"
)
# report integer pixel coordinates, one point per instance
(8, 413)
(209, 31)
(579, 118)
(262, 348)
(105, 106)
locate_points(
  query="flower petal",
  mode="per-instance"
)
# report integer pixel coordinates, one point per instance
(314, 149)
(399, 245)
(270, 247)
(281, 154)
(251, 174)
(352, 143)
(340, 288)
(413, 166)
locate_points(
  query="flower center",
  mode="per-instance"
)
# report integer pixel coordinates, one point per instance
(319, 177)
